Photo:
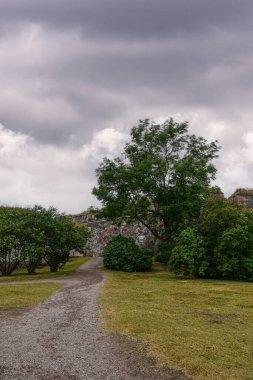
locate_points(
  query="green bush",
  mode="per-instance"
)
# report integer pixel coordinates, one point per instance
(122, 253)
(234, 255)
(227, 228)
(188, 255)
(221, 245)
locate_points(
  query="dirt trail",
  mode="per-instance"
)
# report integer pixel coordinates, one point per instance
(59, 338)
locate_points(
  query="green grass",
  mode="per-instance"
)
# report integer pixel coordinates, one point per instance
(44, 273)
(204, 327)
(25, 295)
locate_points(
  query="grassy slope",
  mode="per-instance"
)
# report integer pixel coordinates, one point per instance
(25, 295)
(202, 327)
(44, 272)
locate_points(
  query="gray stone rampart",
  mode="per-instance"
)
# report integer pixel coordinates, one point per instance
(101, 231)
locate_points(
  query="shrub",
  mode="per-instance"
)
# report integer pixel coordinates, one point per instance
(122, 253)
(188, 255)
(234, 255)
(221, 246)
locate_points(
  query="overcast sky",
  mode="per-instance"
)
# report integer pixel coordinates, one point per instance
(76, 75)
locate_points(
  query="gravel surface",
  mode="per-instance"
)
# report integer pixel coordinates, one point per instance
(59, 339)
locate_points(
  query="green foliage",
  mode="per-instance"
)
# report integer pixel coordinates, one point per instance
(163, 180)
(163, 252)
(10, 238)
(234, 255)
(188, 255)
(33, 239)
(122, 253)
(220, 247)
(217, 216)
(28, 235)
(215, 191)
(61, 236)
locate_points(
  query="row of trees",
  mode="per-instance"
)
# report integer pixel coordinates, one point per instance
(163, 180)
(30, 235)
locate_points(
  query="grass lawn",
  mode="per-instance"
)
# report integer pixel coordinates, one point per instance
(25, 295)
(204, 327)
(43, 272)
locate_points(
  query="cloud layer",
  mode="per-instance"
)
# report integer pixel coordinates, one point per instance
(33, 173)
(75, 77)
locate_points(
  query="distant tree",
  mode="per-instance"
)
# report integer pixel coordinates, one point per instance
(29, 234)
(162, 181)
(61, 236)
(10, 239)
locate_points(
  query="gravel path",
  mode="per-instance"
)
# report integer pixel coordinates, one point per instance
(59, 339)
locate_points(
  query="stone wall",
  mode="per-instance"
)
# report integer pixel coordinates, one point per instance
(101, 231)
(243, 196)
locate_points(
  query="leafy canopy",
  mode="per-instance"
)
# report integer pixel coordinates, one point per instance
(28, 235)
(220, 246)
(161, 180)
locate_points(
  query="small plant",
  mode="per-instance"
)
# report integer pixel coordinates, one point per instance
(122, 253)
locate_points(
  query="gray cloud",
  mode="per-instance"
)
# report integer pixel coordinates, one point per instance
(131, 18)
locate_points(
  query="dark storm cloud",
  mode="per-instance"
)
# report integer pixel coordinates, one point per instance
(86, 85)
(67, 68)
(131, 18)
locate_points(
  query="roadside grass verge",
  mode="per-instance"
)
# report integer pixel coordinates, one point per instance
(43, 272)
(203, 327)
(25, 295)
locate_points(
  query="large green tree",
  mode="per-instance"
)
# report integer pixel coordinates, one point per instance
(160, 180)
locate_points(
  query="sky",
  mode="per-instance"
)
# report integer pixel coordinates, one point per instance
(76, 76)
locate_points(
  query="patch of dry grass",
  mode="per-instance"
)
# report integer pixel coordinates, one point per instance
(204, 327)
